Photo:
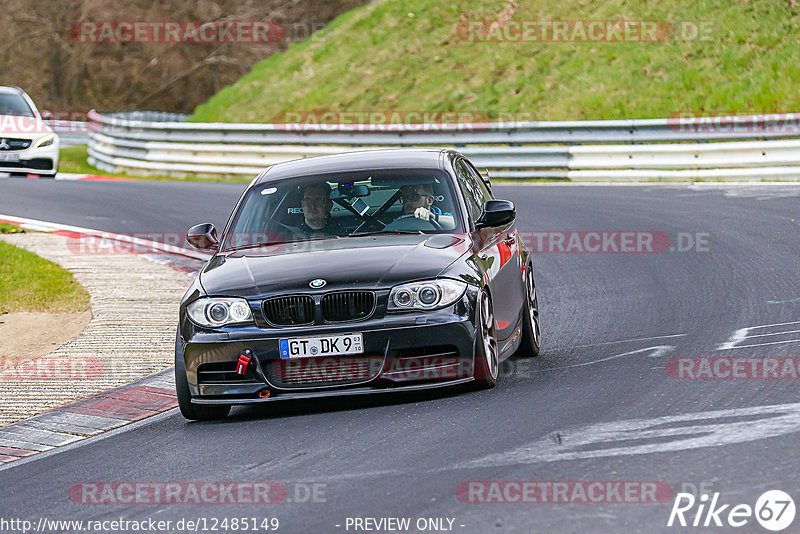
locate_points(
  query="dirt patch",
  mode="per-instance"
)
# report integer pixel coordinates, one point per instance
(34, 334)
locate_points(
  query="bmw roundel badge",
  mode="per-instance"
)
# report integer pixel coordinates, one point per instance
(318, 283)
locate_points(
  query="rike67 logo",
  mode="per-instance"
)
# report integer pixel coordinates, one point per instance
(774, 510)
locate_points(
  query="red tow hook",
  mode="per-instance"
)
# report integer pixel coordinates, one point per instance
(244, 361)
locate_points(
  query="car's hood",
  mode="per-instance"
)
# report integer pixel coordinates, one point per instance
(364, 262)
(23, 127)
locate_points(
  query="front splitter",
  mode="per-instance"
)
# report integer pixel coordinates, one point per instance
(283, 396)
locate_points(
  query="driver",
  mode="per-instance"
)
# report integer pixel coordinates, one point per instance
(317, 204)
(418, 201)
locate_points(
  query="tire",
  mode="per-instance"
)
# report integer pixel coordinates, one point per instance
(47, 176)
(531, 327)
(18, 174)
(486, 360)
(193, 412)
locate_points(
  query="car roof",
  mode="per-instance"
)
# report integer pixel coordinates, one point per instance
(11, 89)
(362, 160)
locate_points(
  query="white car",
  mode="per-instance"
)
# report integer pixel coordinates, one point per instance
(27, 144)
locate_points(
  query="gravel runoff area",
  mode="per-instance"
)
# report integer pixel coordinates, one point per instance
(134, 304)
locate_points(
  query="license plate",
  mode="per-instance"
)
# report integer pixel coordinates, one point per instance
(307, 347)
(9, 157)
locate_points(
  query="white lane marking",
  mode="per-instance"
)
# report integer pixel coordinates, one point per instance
(779, 420)
(628, 340)
(783, 301)
(658, 351)
(598, 440)
(763, 344)
(774, 324)
(737, 337)
(59, 176)
(46, 226)
(774, 334)
(742, 334)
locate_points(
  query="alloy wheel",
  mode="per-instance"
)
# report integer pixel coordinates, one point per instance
(533, 309)
(488, 337)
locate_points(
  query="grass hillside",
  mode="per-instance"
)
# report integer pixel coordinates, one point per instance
(31, 283)
(409, 55)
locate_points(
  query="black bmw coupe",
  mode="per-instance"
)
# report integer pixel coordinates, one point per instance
(357, 273)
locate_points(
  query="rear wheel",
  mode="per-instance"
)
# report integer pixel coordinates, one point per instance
(195, 412)
(486, 360)
(531, 330)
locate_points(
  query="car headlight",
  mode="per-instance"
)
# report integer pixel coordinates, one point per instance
(47, 140)
(214, 312)
(427, 295)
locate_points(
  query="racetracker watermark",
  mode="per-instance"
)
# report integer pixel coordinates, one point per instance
(382, 121)
(342, 368)
(177, 31)
(732, 123)
(733, 368)
(538, 241)
(62, 122)
(584, 31)
(173, 242)
(216, 492)
(565, 492)
(605, 242)
(147, 524)
(50, 368)
(135, 243)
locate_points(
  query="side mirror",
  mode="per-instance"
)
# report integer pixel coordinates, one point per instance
(47, 116)
(203, 237)
(496, 213)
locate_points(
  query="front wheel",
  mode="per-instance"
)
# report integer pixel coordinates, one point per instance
(194, 412)
(486, 362)
(531, 329)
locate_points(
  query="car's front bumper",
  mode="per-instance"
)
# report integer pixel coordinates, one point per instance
(317, 394)
(42, 160)
(402, 352)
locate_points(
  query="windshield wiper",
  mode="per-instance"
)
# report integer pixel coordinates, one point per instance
(388, 232)
(256, 245)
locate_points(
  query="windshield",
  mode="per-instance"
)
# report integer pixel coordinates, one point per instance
(345, 205)
(13, 104)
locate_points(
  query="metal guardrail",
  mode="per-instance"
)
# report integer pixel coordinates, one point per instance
(71, 133)
(720, 148)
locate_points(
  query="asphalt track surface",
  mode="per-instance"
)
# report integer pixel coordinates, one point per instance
(611, 321)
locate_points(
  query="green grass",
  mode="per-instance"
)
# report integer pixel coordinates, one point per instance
(31, 283)
(6, 228)
(407, 55)
(74, 159)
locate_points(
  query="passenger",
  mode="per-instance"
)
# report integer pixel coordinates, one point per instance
(418, 201)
